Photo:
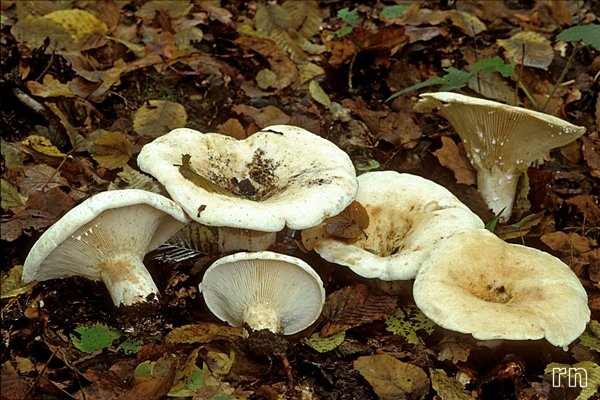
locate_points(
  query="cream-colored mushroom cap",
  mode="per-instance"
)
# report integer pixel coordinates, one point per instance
(501, 140)
(476, 283)
(266, 290)
(105, 238)
(408, 217)
(282, 175)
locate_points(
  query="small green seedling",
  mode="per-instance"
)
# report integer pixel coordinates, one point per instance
(90, 339)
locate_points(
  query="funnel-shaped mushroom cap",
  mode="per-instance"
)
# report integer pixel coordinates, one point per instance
(105, 238)
(476, 283)
(265, 290)
(282, 175)
(501, 140)
(408, 216)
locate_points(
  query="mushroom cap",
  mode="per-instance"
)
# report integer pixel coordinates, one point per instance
(235, 283)
(476, 283)
(107, 224)
(408, 216)
(497, 135)
(287, 175)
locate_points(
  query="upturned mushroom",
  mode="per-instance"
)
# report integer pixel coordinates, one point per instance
(478, 284)
(408, 217)
(501, 141)
(252, 188)
(264, 290)
(105, 238)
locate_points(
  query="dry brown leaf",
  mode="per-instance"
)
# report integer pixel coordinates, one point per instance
(538, 51)
(271, 115)
(466, 22)
(577, 249)
(157, 117)
(353, 306)
(232, 127)
(341, 51)
(453, 350)
(203, 333)
(39, 177)
(392, 379)
(280, 63)
(49, 88)
(591, 154)
(111, 150)
(588, 207)
(452, 158)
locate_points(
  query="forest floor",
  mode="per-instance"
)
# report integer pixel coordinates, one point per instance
(83, 91)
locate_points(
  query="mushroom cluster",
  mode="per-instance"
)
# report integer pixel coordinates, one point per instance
(501, 141)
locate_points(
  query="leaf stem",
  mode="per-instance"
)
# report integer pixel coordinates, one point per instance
(561, 78)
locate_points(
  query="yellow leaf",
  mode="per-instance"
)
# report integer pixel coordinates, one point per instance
(309, 71)
(157, 117)
(232, 127)
(77, 22)
(265, 78)
(468, 23)
(538, 50)
(448, 388)
(49, 88)
(110, 149)
(40, 146)
(10, 284)
(318, 94)
(10, 196)
(184, 39)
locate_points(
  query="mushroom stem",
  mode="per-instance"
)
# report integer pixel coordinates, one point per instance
(232, 239)
(262, 316)
(127, 280)
(498, 189)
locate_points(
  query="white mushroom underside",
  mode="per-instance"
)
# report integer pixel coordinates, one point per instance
(110, 248)
(262, 291)
(476, 283)
(408, 215)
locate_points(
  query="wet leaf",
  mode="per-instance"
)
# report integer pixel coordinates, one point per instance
(325, 344)
(391, 378)
(353, 306)
(203, 333)
(10, 196)
(93, 338)
(448, 388)
(157, 117)
(110, 149)
(318, 94)
(591, 337)
(537, 49)
(407, 321)
(452, 158)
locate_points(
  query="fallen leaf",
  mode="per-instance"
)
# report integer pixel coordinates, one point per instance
(318, 94)
(42, 150)
(111, 150)
(49, 88)
(452, 158)
(13, 385)
(130, 178)
(173, 8)
(325, 344)
(450, 349)
(271, 115)
(407, 321)
(203, 333)
(265, 78)
(448, 388)
(528, 48)
(10, 196)
(353, 306)
(587, 206)
(232, 127)
(466, 22)
(157, 117)
(392, 379)
(39, 177)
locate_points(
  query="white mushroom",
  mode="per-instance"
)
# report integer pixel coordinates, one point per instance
(501, 141)
(252, 188)
(105, 238)
(265, 290)
(476, 283)
(408, 217)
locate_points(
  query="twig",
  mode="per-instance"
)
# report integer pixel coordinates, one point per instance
(562, 75)
(37, 379)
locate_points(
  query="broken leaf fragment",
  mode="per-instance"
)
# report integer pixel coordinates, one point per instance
(10, 196)
(188, 172)
(318, 94)
(50, 87)
(130, 178)
(265, 78)
(448, 388)
(157, 117)
(407, 321)
(391, 378)
(584, 375)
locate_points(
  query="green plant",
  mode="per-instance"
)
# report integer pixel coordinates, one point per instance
(457, 79)
(350, 17)
(90, 339)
